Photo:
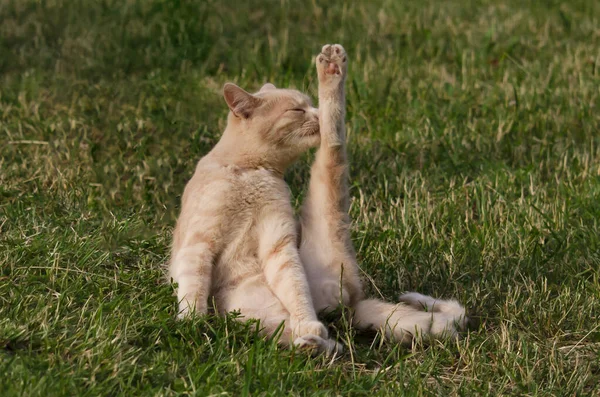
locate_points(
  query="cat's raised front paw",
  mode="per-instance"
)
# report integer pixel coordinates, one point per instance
(332, 65)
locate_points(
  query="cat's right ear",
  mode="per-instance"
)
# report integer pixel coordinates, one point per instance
(241, 103)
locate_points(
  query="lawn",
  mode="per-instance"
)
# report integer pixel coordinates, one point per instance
(474, 138)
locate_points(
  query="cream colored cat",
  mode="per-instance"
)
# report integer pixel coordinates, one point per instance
(237, 239)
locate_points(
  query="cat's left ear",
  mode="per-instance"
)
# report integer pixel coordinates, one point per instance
(267, 87)
(241, 103)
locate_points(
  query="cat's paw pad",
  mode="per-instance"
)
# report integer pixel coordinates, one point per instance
(332, 63)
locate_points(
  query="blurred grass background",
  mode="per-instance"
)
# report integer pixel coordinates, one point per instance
(473, 131)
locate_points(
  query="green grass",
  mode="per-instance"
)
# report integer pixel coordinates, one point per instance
(475, 148)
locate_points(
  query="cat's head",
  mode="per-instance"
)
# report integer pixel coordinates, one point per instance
(281, 120)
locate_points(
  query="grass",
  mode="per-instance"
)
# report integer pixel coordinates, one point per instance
(475, 146)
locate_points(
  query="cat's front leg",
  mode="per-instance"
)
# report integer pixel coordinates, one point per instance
(191, 268)
(284, 271)
(326, 249)
(332, 67)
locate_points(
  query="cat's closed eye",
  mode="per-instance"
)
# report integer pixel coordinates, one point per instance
(297, 110)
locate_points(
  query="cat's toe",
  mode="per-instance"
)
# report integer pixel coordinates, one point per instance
(338, 53)
(322, 61)
(326, 50)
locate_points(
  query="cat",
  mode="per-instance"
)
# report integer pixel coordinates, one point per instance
(236, 237)
(237, 240)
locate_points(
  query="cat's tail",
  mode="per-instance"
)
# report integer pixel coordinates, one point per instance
(415, 315)
(431, 304)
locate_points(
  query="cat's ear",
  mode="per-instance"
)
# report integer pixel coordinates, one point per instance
(267, 87)
(241, 103)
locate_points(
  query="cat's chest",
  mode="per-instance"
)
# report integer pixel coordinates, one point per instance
(253, 190)
(258, 187)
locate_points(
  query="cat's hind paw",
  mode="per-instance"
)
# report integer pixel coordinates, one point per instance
(316, 345)
(302, 328)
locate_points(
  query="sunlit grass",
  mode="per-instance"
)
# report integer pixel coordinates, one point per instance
(473, 129)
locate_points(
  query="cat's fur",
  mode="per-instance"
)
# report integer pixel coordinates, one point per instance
(237, 239)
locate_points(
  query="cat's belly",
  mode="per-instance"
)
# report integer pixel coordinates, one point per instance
(251, 294)
(248, 191)
(230, 272)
